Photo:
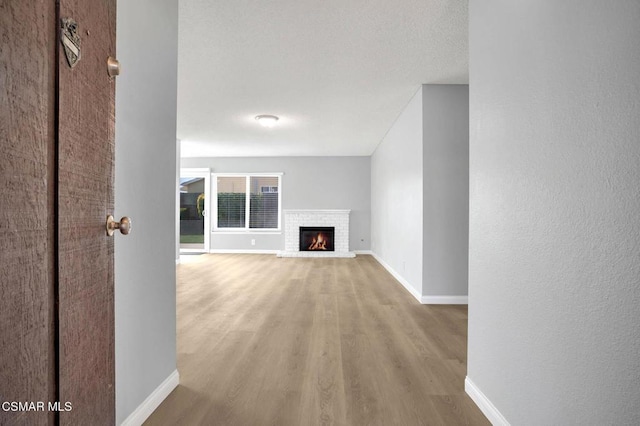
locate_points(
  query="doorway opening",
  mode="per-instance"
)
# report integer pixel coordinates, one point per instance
(194, 210)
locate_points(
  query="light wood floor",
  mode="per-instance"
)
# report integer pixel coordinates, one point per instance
(294, 341)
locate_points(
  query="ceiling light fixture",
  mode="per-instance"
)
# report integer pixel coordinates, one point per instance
(267, 120)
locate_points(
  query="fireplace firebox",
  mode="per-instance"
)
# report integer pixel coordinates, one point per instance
(317, 238)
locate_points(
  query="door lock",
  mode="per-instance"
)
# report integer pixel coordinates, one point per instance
(124, 225)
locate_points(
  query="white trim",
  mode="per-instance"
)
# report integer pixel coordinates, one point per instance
(245, 232)
(445, 300)
(193, 171)
(177, 261)
(185, 250)
(207, 208)
(247, 203)
(243, 251)
(363, 252)
(280, 202)
(247, 174)
(398, 277)
(484, 404)
(152, 402)
(425, 300)
(316, 211)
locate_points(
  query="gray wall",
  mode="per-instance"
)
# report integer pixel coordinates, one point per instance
(445, 111)
(147, 37)
(396, 196)
(307, 183)
(554, 262)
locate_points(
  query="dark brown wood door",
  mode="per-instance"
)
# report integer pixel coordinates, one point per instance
(56, 261)
(86, 123)
(27, 203)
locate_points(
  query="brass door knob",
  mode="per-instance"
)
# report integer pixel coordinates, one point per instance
(124, 225)
(113, 66)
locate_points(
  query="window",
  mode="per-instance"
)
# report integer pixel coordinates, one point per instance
(264, 189)
(247, 202)
(232, 196)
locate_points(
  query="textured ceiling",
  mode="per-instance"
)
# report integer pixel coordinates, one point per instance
(336, 72)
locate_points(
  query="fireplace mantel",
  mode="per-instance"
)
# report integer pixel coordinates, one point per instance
(321, 212)
(295, 218)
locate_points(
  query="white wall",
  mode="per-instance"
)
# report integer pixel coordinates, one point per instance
(307, 183)
(396, 197)
(147, 39)
(445, 111)
(554, 263)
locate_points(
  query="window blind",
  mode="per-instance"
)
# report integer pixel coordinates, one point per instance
(232, 196)
(263, 202)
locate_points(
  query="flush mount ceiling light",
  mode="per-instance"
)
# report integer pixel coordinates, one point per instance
(267, 120)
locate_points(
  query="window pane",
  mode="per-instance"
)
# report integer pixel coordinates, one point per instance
(192, 212)
(263, 206)
(232, 192)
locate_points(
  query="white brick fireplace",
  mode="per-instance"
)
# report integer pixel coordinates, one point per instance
(294, 219)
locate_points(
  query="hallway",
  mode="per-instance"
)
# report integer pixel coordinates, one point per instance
(270, 341)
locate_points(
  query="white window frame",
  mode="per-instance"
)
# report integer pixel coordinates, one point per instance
(247, 210)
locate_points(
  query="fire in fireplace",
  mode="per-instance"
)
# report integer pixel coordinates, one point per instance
(316, 238)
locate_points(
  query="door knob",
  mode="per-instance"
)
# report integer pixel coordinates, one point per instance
(124, 225)
(113, 66)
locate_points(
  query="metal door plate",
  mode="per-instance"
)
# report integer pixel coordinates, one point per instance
(70, 40)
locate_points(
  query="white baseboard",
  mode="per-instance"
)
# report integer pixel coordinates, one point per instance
(488, 409)
(425, 300)
(233, 251)
(148, 406)
(398, 277)
(445, 300)
(363, 252)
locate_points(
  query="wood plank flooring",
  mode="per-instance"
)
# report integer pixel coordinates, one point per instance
(297, 341)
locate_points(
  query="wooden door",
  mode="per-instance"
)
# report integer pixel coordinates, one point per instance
(27, 202)
(57, 165)
(86, 133)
